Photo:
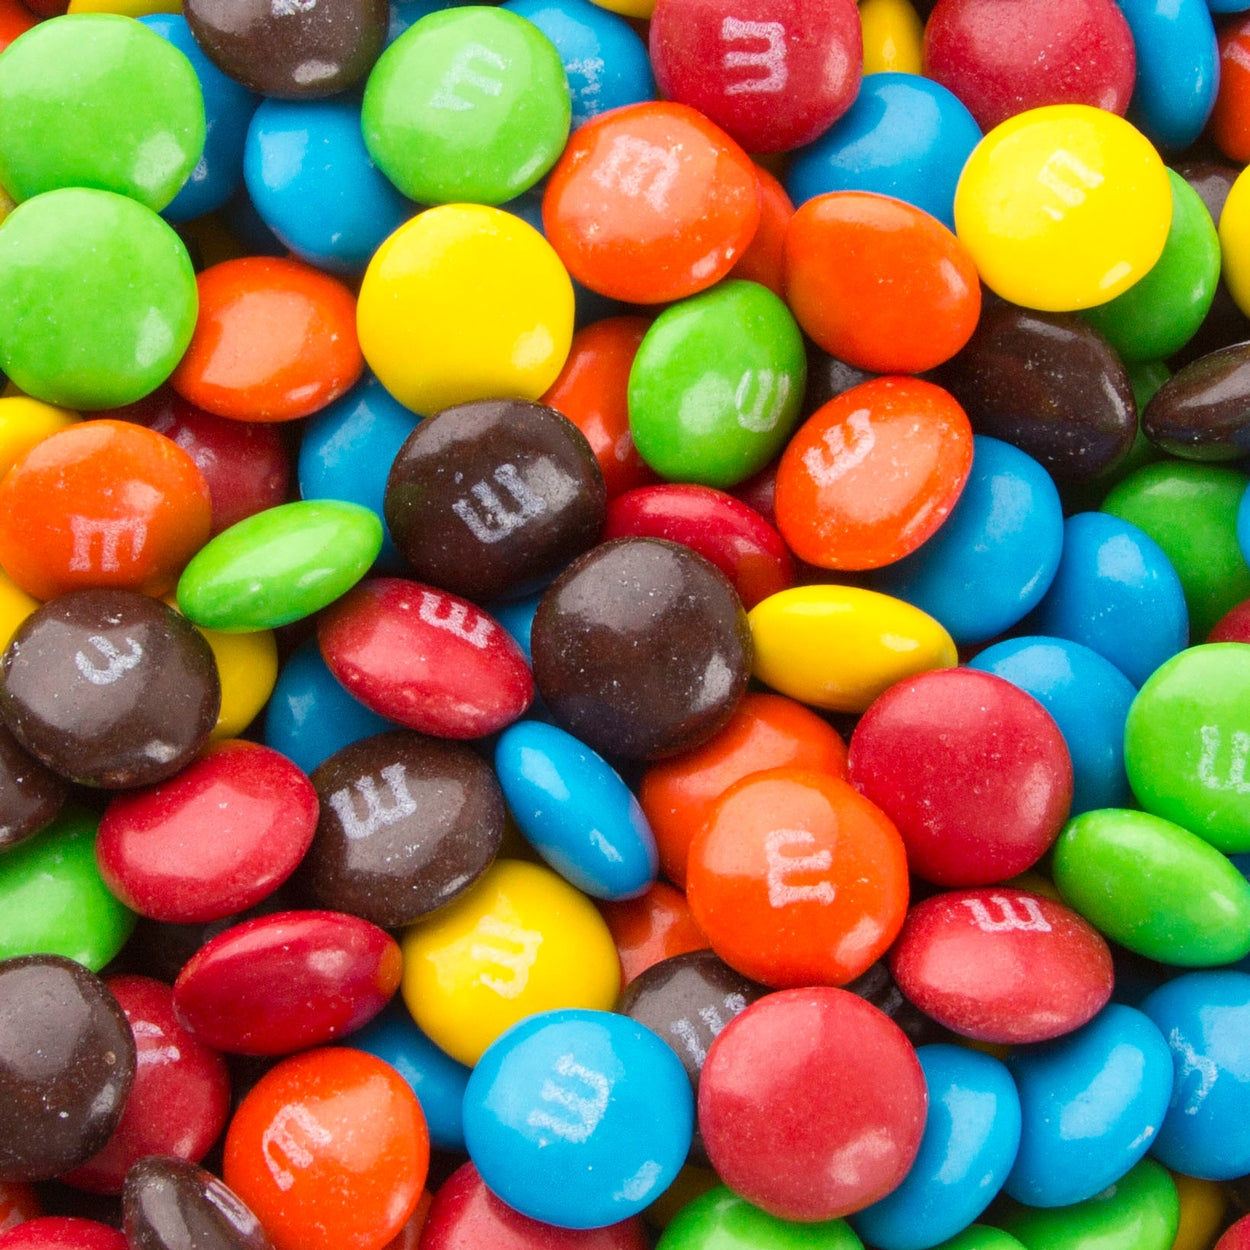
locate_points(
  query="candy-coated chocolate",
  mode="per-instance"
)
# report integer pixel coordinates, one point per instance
(1199, 413)
(893, 37)
(30, 794)
(171, 1204)
(720, 1218)
(1203, 1205)
(63, 1232)
(982, 1237)
(1236, 1237)
(67, 1062)
(25, 422)
(651, 928)
(247, 667)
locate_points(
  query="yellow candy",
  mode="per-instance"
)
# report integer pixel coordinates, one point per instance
(521, 940)
(15, 606)
(1235, 241)
(127, 8)
(839, 647)
(629, 8)
(893, 37)
(25, 422)
(465, 302)
(1063, 207)
(1202, 1212)
(248, 667)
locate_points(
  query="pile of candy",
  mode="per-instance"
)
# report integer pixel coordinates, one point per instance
(447, 484)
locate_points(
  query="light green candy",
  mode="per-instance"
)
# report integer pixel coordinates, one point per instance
(720, 1220)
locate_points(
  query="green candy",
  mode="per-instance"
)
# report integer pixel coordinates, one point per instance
(1190, 510)
(1187, 744)
(720, 1220)
(1160, 313)
(1141, 1211)
(279, 566)
(1154, 887)
(717, 385)
(52, 900)
(468, 104)
(981, 1237)
(98, 100)
(97, 298)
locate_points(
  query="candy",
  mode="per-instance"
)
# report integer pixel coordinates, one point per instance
(720, 1217)
(168, 1199)
(32, 794)
(652, 928)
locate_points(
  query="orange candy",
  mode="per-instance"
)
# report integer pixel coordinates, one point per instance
(657, 925)
(102, 503)
(15, 19)
(871, 474)
(879, 283)
(766, 731)
(593, 392)
(651, 202)
(1230, 119)
(798, 879)
(330, 1150)
(18, 1203)
(275, 340)
(764, 261)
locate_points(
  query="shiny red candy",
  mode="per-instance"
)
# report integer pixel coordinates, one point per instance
(1237, 1237)
(287, 981)
(655, 926)
(812, 1104)
(974, 773)
(18, 1203)
(62, 1232)
(1233, 626)
(181, 1096)
(775, 74)
(719, 527)
(426, 659)
(213, 840)
(1002, 965)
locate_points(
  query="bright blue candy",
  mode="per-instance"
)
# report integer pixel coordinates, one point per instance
(435, 1077)
(1118, 594)
(1178, 69)
(994, 556)
(1243, 526)
(1228, 6)
(904, 136)
(605, 62)
(347, 450)
(1091, 1103)
(575, 811)
(228, 108)
(313, 184)
(311, 716)
(969, 1144)
(1205, 1017)
(517, 617)
(578, 1118)
(1089, 699)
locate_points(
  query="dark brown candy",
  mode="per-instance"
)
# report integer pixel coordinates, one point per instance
(109, 688)
(490, 497)
(30, 794)
(828, 377)
(407, 823)
(1049, 384)
(1203, 413)
(878, 987)
(293, 49)
(67, 1061)
(641, 649)
(170, 1204)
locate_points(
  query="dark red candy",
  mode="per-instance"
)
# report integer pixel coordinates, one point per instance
(488, 498)
(641, 648)
(67, 1062)
(181, 1096)
(425, 658)
(212, 841)
(975, 774)
(288, 981)
(170, 1204)
(1002, 965)
(722, 529)
(62, 1232)
(407, 824)
(30, 794)
(110, 688)
(1233, 626)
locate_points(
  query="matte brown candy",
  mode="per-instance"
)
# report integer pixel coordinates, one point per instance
(490, 497)
(293, 49)
(641, 649)
(109, 688)
(407, 823)
(170, 1204)
(1203, 413)
(30, 794)
(1049, 384)
(67, 1061)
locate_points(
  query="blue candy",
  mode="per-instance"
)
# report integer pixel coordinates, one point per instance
(1118, 594)
(904, 136)
(995, 554)
(578, 1118)
(576, 811)
(970, 1141)
(405, 13)
(1089, 699)
(517, 617)
(1243, 526)
(1091, 1103)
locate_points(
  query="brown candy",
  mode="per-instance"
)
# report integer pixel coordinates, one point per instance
(109, 688)
(1203, 412)
(170, 1204)
(67, 1061)
(641, 648)
(30, 795)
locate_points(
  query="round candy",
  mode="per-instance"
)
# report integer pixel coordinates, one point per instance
(30, 794)
(75, 328)
(1199, 414)
(247, 665)
(893, 34)
(168, 1201)
(652, 928)
(765, 257)
(63, 1232)
(721, 1218)
(24, 422)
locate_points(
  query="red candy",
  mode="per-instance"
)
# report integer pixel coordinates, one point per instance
(425, 658)
(62, 1232)
(283, 982)
(655, 926)
(18, 1203)
(812, 1104)
(1233, 626)
(974, 772)
(1237, 1237)
(1230, 119)
(1002, 965)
